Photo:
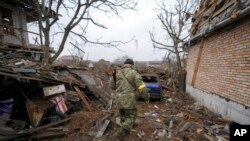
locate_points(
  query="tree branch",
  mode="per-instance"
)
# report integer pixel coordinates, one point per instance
(164, 48)
(95, 23)
(77, 47)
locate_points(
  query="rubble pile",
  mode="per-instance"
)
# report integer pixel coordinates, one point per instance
(75, 103)
(103, 70)
(33, 95)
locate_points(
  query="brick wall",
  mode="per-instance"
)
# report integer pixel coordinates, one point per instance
(224, 67)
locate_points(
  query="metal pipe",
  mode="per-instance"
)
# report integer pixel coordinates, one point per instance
(241, 14)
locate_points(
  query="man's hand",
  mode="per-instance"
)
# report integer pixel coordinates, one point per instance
(145, 94)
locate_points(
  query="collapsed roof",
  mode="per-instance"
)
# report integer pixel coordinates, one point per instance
(215, 14)
(29, 8)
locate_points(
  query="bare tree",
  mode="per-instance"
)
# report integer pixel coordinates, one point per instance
(81, 16)
(175, 23)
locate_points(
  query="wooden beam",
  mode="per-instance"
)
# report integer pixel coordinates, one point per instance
(81, 94)
(197, 62)
(32, 130)
(23, 77)
(46, 80)
(102, 129)
(225, 6)
(49, 134)
(24, 70)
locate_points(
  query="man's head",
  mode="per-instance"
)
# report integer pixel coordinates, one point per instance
(129, 61)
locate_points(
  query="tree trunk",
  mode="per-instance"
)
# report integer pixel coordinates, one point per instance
(182, 79)
(178, 58)
(46, 48)
(61, 47)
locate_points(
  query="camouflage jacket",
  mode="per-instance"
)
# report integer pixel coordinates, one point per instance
(127, 88)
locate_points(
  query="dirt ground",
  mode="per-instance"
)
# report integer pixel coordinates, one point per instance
(176, 117)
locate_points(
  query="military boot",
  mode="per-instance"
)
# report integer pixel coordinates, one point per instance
(122, 133)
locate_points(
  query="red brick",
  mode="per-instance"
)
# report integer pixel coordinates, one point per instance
(224, 67)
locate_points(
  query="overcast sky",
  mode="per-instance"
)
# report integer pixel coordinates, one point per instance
(133, 24)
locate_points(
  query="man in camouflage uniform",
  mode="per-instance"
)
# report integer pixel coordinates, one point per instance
(128, 82)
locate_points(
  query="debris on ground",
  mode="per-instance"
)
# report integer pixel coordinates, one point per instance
(83, 107)
(75, 103)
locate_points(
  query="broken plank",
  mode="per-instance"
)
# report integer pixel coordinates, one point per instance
(81, 94)
(23, 77)
(98, 125)
(6, 131)
(102, 129)
(48, 134)
(47, 125)
(6, 70)
(225, 6)
(107, 116)
(30, 131)
(24, 70)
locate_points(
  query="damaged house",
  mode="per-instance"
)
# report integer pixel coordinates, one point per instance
(13, 28)
(33, 95)
(22, 77)
(14, 17)
(218, 63)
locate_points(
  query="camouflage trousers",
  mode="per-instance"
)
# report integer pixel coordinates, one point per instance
(128, 117)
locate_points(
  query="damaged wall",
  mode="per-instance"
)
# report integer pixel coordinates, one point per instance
(220, 64)
(19, 21)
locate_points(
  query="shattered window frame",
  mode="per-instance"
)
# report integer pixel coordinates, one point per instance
(7, 21)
